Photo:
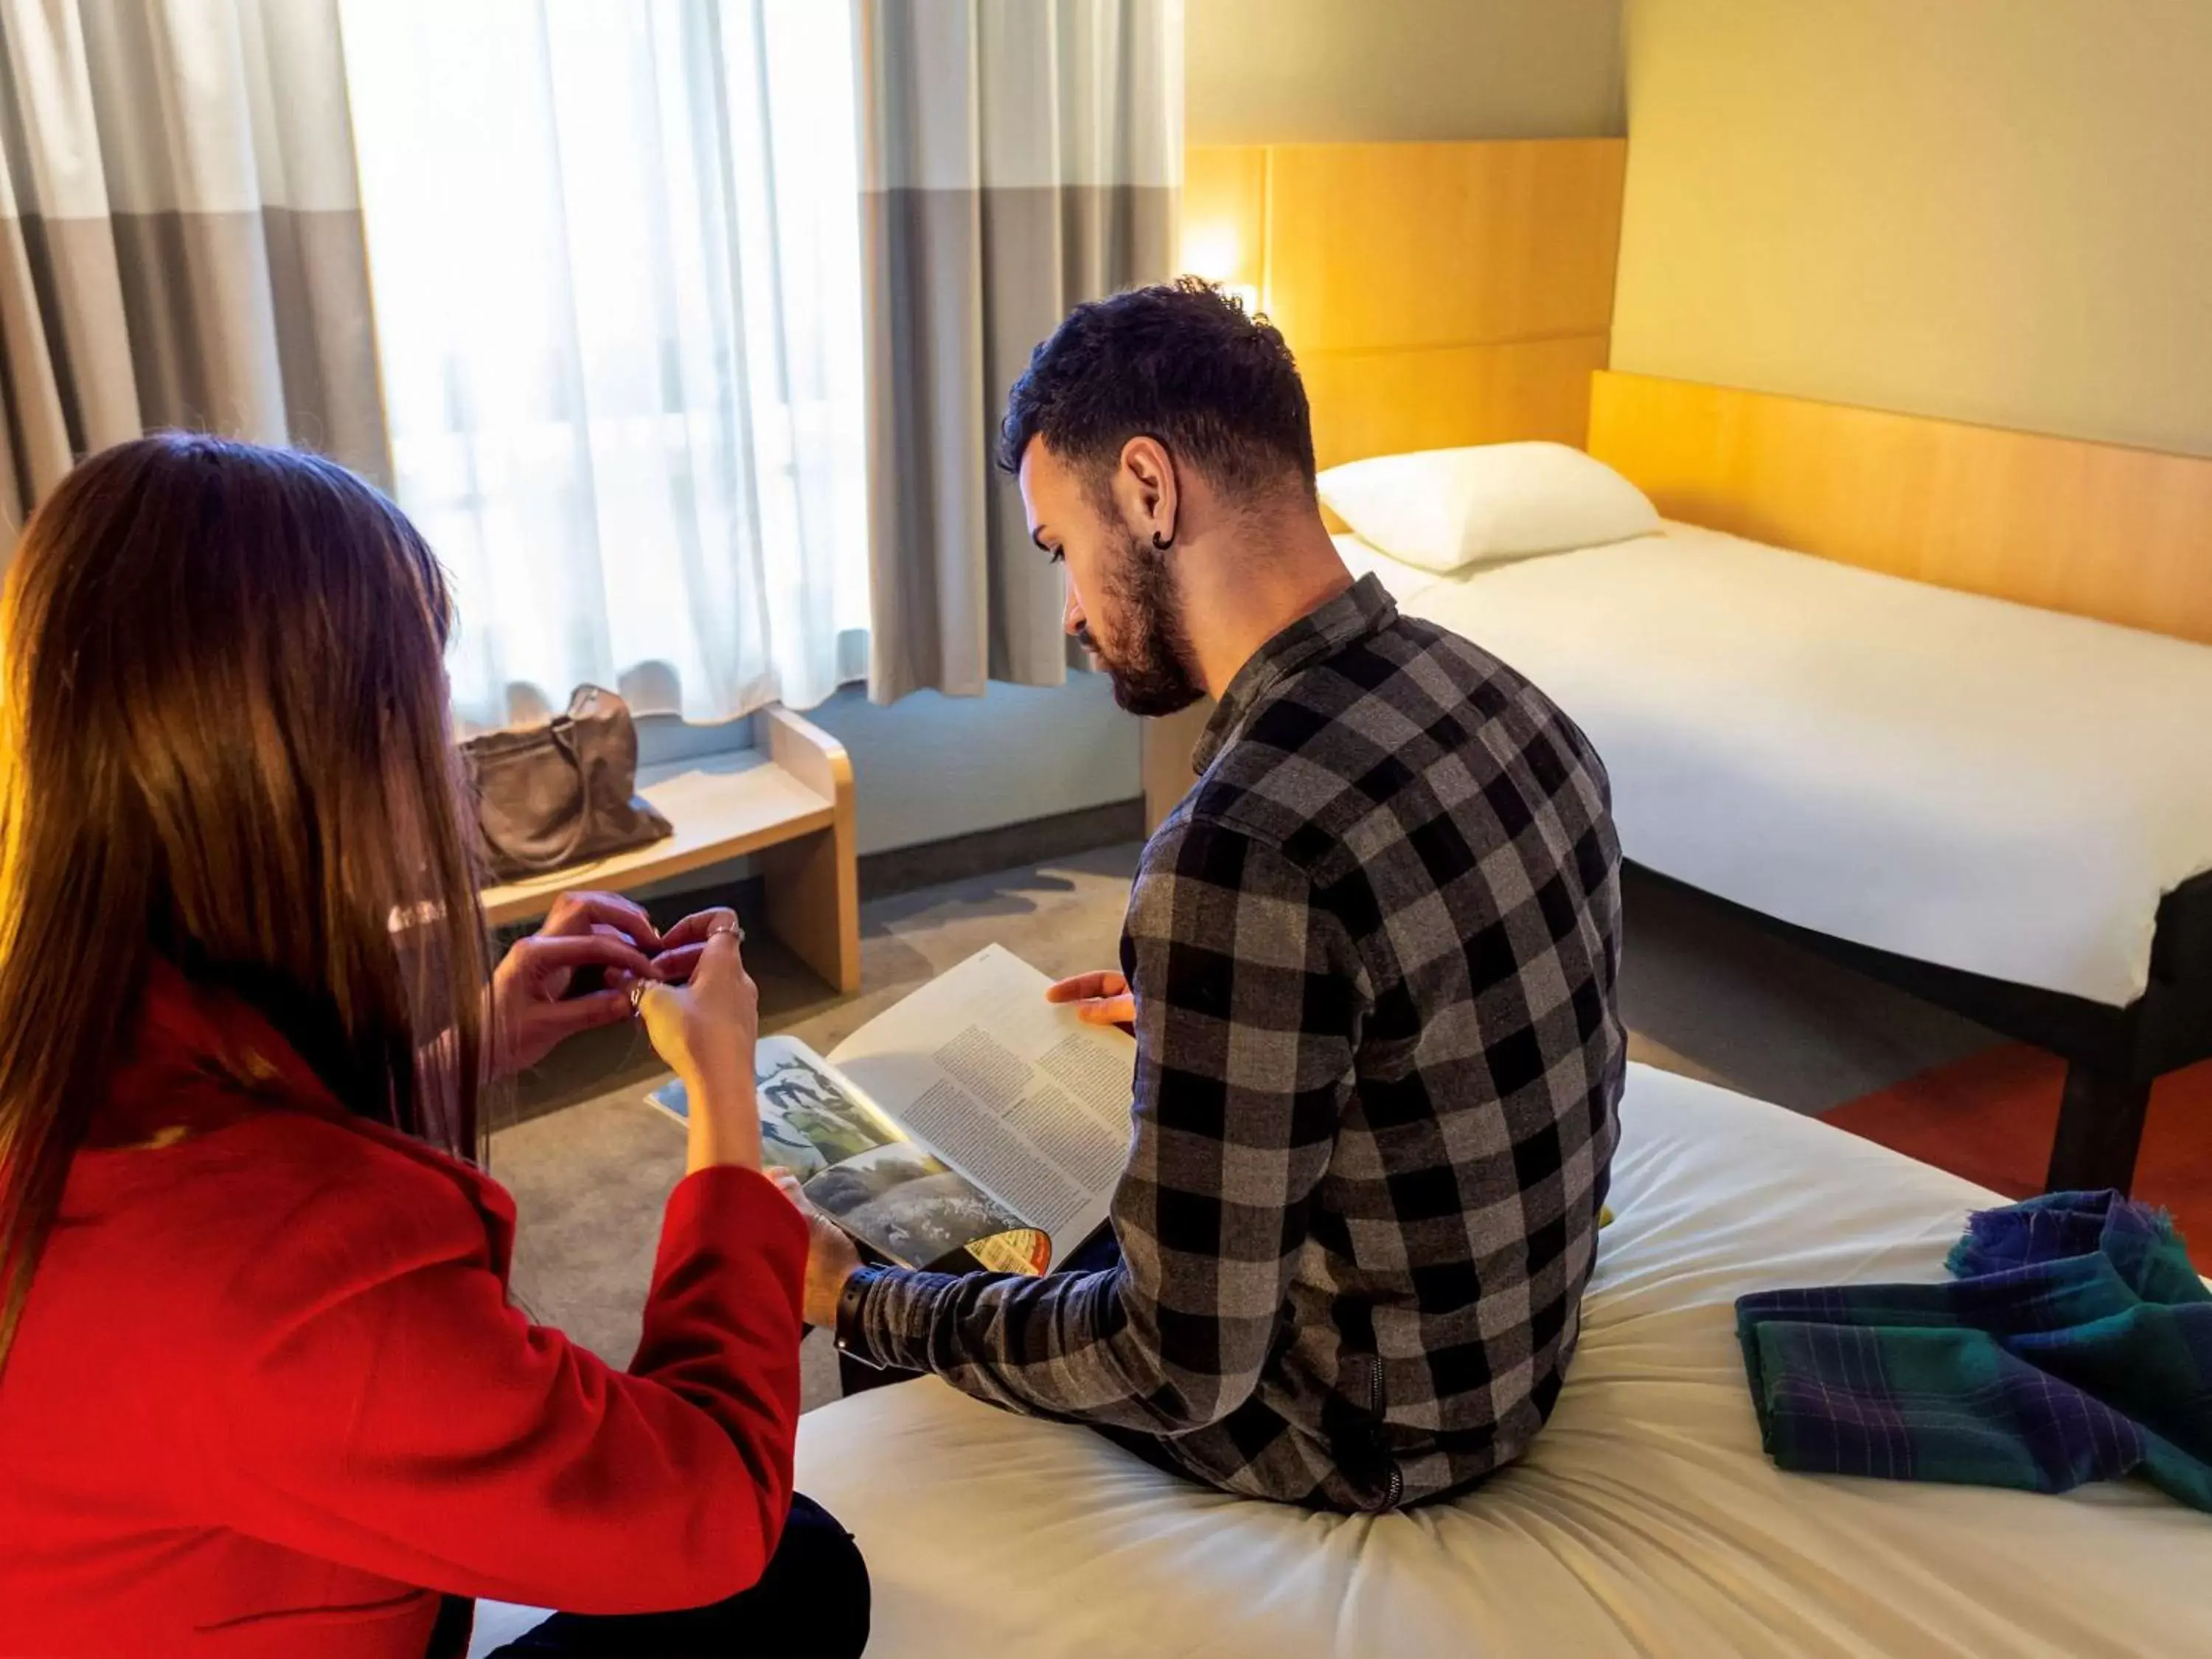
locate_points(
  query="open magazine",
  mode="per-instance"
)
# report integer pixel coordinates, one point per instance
(974, 1115)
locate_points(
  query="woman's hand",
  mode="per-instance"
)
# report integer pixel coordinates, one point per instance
(706, 1030)
(676, 952)
(1100, 999)
(534, 1005)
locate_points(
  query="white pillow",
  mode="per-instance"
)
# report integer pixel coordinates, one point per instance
(1400, 580)
(1445, 508)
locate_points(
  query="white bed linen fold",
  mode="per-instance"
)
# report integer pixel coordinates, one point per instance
(1961, 779)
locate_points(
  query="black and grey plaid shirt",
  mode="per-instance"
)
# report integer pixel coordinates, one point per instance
(1374, 953)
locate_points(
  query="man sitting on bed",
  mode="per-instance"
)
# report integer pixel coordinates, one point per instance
(1370, 962)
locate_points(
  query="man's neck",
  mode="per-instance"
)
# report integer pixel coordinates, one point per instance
(1237, 599)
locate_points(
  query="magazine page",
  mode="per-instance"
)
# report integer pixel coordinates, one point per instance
(1018, 1094)
(858, 1167)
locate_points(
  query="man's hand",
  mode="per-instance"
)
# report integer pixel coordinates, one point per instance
(1102, 999)
(535, 1003)
(831, 1257)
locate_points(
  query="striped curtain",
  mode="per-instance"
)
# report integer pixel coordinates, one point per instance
(180, 236)
(1017, 156)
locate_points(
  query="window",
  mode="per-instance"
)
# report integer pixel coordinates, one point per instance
(616, 257)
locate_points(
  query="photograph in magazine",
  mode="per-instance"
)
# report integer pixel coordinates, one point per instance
(857, 1167)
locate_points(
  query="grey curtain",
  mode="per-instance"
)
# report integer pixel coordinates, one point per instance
(1019, 155)
(181, 233)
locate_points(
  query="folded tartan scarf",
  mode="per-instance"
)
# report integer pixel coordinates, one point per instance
(2074, 1344)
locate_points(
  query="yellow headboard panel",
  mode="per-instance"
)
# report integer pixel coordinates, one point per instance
(2122, 535)
(1435, 294)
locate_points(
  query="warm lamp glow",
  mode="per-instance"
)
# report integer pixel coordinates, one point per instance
(1216, 253)
(1211, 251)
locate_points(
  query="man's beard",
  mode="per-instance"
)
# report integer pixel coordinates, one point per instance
(1152, 668)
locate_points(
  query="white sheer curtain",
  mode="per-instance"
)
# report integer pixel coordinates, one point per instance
(617, 267)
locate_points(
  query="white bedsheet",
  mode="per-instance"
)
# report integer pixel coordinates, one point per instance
(1970, 782)
(1645, 1520)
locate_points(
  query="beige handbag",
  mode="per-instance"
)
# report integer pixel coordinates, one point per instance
(562, 793)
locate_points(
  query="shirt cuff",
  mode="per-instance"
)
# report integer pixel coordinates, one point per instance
(851, 1335)
(888, 1318)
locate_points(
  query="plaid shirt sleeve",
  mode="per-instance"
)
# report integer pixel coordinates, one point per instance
(1249, 996)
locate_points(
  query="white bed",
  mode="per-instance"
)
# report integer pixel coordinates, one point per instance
(1646, 1520)
(1962, 781)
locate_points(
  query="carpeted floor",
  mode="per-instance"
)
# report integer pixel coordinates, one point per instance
(1990, 1117)
(591, 1163)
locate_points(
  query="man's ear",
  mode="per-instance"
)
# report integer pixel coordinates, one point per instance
(1147, 484)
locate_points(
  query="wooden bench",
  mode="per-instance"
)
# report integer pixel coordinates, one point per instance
(787, 800)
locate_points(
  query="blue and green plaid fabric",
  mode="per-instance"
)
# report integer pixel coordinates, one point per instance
(2074, 1343)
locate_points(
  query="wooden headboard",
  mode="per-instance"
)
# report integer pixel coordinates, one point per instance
(1446, 294)
(2122, 535)
(1435, 294)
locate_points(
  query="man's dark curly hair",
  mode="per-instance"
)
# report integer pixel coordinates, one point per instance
(1180, 362)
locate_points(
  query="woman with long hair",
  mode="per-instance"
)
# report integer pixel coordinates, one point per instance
(261, 1388)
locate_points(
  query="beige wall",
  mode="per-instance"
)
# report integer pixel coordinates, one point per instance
(1997, 210)
(1329, 71)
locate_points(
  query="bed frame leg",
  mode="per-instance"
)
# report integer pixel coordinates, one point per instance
(2100, 1119)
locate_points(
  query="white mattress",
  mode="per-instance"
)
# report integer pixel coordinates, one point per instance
(1961, 779)
(1645, 1520)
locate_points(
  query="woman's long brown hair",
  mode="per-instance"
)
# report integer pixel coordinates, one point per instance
(225, 741)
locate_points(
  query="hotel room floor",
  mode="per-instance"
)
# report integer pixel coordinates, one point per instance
(590, 1163)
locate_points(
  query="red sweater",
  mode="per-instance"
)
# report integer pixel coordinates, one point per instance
(269, 1397)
